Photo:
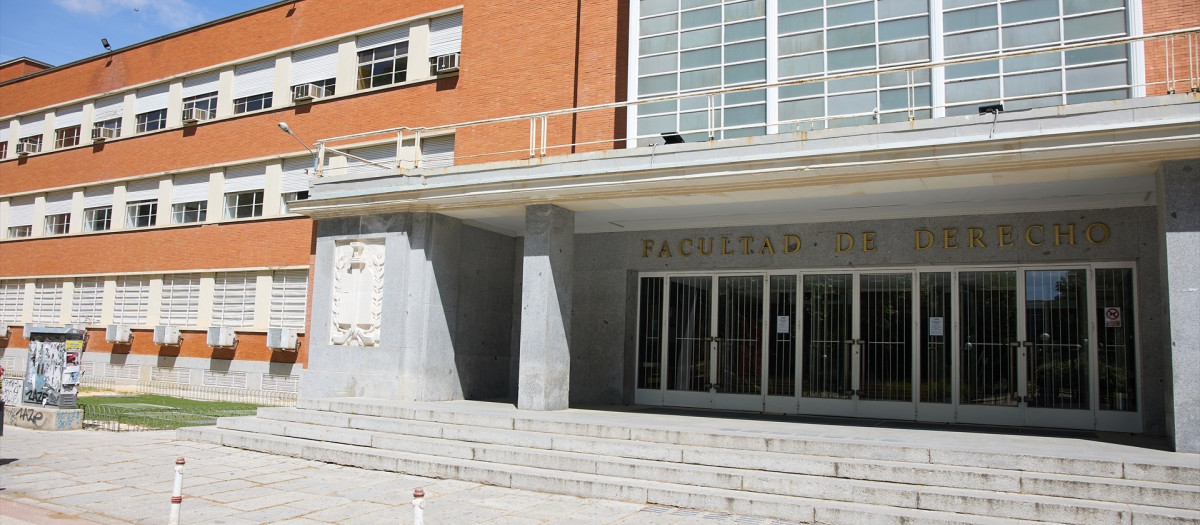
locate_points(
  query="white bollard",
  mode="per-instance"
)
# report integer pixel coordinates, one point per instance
(418, 507)
(177, 495)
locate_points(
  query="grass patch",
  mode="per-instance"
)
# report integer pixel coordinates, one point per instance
(155, 412)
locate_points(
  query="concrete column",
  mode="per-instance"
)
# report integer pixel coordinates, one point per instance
(430, 253)
(544, 381)
(1179, 217)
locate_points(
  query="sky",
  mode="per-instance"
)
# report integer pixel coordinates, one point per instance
(59, 32)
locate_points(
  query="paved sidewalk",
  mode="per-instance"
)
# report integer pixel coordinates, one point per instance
(88, 476)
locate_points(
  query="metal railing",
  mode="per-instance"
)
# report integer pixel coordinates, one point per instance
(193, 392)
(131, 418)
(1176, 78)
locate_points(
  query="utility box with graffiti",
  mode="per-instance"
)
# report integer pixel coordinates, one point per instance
(52, 372)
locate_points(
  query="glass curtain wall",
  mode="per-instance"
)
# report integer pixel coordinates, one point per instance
(686, 46)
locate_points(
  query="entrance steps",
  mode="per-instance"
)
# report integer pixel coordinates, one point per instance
(800, 472)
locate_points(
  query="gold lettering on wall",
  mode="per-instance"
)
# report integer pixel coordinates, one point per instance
(845, 242)
(868, 241)
(766, 247)
(1070, 235)
(665, 251)
(1005, 236)
(948, 238)
(1029, 235)
(791, 244)
(1099, 226)
(924, 240)
(706, 251)
(975, 236)
(725, 246)
(681, 251)
(745, 244)
(647, 245)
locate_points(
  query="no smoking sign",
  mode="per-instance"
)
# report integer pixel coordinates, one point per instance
(1112, 317)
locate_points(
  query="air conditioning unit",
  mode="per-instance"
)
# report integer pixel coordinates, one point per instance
(25, 148)
(306, 92)
(102, 134)
(193, 115)
(282, 339)
(167, 335)
(221, 336)
(118, 333)
(445, 63)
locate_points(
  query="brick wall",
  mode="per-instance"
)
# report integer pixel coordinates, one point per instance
(1167, 15)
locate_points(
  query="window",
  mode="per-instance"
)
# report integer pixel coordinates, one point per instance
(152, 120)
(30, 144)
(233, 299)
(132, 301)
(47, 301)
(66, 137)
(20, 217)
(252, 103)
(97, 219)
(180, 300)
(141, 214)
(289, 294)
(12, 301)
(87, 300)
(244, 204)
(16, 232)
(291, 197)
(383, 65)
(200, 107)
(109, 129)
(58, 224)
(4, 150)
(186, 212)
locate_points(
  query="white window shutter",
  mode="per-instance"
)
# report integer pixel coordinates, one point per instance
(180, 304)
(381, 154)
(200, 84)
(152, 98)
(12, 301)
(297, 174)
(382, 38)
(133, 299)
(141, 190)
(437, 152)
(20, 211)
(68, 116)
(233, 299)
(314, 63)
(254, 78)
(88, 300)
(109, 108)
(32, 125)
(189, 188)
(97, 196)
(47, 301)
(245, 178)
(445, 35)
(57, 203)
(289, 295)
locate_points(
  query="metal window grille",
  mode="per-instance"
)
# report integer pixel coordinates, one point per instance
(132, 303)
(87, 300)
(233, 299)
(12, 301)
(180, 304)
(47, 301)
(289, 298)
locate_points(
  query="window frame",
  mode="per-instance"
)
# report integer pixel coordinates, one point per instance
(91, 221)
(234, 207)
(141, 214)
(205, 102)
(67, 137)
(20, 232)
(57, 224)
(35, 140)
(152, 120)
(252, 103)
(366, 61)
(182, 210)
(112, 123)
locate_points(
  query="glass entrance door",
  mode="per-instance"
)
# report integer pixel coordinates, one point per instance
(714, 342)
(1024, 348)
(857, 351)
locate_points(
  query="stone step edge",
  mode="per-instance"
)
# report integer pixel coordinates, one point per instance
(651, 493)
(785, 458)
(885, 488)
(874, 451)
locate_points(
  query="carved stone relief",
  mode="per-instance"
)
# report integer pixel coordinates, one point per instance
(357, 309)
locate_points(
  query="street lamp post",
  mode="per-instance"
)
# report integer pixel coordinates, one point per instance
(283, 126)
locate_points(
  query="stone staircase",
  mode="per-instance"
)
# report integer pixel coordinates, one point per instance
(791, 471)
